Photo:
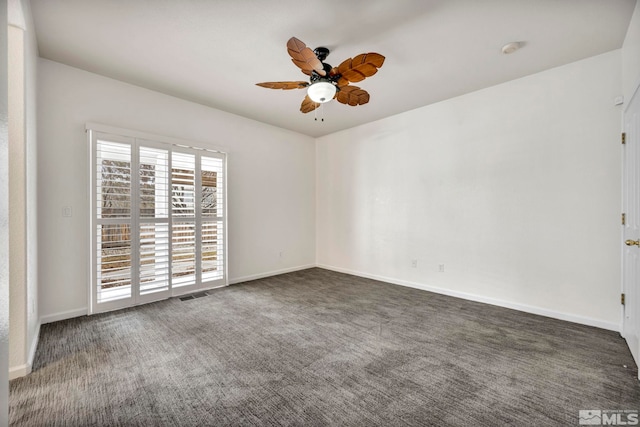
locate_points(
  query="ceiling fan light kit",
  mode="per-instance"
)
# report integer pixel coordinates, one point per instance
(327, 82)
(322, 91)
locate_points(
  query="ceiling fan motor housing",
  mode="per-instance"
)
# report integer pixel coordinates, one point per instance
(321, 53)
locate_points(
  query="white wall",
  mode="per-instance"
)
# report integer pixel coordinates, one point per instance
(23, 57)
(631, 56)
(31, 76)
(18, 205)
(271, 179)
(4, 222)
(515, 189)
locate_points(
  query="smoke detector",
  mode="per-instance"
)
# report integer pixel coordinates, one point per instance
(510, 47)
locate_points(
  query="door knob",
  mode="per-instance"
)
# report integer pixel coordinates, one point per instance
(632, 242)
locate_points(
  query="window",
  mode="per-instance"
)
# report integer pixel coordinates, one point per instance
(158, 223)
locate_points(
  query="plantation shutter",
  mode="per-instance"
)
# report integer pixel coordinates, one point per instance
(183, 189)
(157, 218)
(212, 205)
(112, 204)
(154, 219)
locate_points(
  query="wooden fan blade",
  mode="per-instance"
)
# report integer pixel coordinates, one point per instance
(304, 58)
(308, 105)
(352, 95)
(342, 82)
(283, 85)
(373, 58)
(362, 66)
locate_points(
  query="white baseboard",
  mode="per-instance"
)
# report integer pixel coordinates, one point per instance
(34, 346)
(50, 318)
(19, 371)
(25, 369)
(487, 300)
(612, 326)
(63, 315)
(269, 274)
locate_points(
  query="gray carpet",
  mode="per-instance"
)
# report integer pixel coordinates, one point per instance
(316, 348)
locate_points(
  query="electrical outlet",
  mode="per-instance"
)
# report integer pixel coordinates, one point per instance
(441, 268)
(67, 211)
(414, 263)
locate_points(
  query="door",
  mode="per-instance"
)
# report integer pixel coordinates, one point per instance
(631, 233)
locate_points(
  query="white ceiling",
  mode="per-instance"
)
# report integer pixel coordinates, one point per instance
(214, 51)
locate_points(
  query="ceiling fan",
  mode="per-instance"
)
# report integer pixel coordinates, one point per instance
(327, 82)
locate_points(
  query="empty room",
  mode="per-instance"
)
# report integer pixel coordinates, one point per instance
(336, 213)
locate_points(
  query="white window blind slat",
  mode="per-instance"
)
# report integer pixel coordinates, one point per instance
(113, 261)
(154, 258)
(113, 169)
(184, 254)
